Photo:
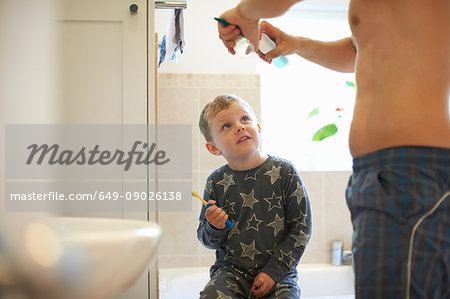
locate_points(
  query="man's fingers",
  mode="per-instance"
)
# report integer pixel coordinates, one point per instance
(225, 29)
(226, 36)
(263, 57)
(268, 29)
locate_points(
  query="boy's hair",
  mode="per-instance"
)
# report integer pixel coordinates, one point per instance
(211, 109)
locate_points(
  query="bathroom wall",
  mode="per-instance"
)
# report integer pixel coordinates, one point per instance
(182, 97)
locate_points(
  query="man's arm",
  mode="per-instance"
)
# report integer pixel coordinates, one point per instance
(257, 9)
(337, 55)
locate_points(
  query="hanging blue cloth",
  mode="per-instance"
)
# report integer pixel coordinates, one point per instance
(173, 40)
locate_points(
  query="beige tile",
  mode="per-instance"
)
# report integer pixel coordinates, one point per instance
(203, 251)
(197, 143)
(164, 79)
(177, 261)
(207, 260)
(197, 185)
(209, 80)
(206, 95)
(179, 233)
(178, 105)
(175, 79)
(311, 256)
(315, 187)
(337, 216)
(315, 247)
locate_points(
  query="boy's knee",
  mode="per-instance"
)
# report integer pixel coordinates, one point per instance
(284, 291)
(207, 294)
(214, 292)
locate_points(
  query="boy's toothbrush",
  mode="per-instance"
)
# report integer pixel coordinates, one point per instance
(228, 223)
(198, 196)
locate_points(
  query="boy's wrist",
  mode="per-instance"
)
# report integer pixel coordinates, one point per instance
(274, 269)
(215, 227)
(213, 231)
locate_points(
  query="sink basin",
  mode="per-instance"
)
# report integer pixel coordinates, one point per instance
(71, 258)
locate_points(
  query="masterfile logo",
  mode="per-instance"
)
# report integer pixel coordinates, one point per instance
(98, 151)
(98, 168)
(53, 155)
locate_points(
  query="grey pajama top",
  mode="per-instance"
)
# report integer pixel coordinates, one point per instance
(271, 212)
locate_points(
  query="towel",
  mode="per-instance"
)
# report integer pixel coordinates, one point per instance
(173, 40)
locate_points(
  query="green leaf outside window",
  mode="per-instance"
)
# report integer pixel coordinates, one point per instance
(314, 112)
(324, 132)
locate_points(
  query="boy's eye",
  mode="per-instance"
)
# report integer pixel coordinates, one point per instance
(225, 126)
(245, 118)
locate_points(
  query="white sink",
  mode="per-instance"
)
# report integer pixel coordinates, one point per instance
(72, 258)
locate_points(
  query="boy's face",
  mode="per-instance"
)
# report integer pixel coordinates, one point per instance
(235, 133)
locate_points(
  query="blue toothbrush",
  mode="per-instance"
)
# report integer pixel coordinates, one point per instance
(228, 223)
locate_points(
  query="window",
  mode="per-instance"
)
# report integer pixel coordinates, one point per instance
(290, 93)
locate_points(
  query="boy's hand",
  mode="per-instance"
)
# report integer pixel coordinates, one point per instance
(262, 285)
(215, 215)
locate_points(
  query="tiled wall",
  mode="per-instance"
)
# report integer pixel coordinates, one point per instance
(181, 99)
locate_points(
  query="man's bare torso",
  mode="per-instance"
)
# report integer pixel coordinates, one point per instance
(402, 74)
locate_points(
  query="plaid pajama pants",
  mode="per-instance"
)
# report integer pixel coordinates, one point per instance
(399, 200)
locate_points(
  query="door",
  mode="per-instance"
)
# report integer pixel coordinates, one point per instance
(78, 62)
(102, 73)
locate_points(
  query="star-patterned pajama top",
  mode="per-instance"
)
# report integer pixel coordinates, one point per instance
(271, 212)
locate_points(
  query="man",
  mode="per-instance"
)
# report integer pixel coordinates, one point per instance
(400, 134)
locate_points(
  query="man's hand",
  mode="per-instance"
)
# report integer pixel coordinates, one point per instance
(286, 44)
(228, 33)
(262, 285)
(215, 215)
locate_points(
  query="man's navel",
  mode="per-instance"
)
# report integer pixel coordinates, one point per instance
(354, 20)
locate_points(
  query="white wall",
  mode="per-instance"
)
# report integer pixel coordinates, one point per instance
(204, 51)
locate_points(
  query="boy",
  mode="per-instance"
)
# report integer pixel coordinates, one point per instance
(263, 196)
